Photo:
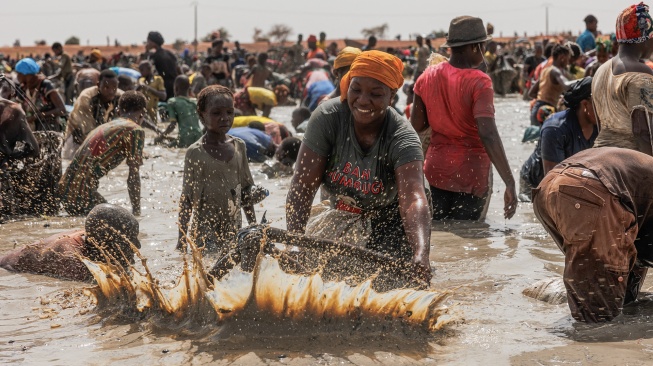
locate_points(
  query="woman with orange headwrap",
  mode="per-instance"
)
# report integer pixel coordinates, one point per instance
(370, 161)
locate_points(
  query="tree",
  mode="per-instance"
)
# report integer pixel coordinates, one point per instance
(438, 34)
(378, 31)
(17, 43)
(72, 40)
(220, 33)
(280, 32)
(179, 44)
(259, 36)
(40, 42)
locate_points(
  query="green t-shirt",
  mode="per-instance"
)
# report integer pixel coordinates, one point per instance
(367, 178)
(184, 111)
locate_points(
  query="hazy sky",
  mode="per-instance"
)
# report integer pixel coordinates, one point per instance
(130, 20)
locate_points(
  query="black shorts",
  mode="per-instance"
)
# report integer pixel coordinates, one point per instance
(458, 205)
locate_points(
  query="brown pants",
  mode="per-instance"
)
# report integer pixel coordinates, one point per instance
(597, 235)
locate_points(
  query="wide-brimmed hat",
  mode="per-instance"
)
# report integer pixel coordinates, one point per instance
(466, 30)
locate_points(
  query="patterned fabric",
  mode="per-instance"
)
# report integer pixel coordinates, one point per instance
(103, 150)
(90, 112)
(634, 24)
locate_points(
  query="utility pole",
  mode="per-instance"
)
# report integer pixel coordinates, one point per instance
(546, 14)
(195, 42)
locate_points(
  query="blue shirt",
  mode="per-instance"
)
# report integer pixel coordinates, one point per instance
(562, 137)
(257, 142)
(317, 90)
(586, 41)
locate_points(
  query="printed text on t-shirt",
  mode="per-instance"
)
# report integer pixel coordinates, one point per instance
(357, 178)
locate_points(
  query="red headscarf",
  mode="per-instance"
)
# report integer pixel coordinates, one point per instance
(378, 65)
(634, 24)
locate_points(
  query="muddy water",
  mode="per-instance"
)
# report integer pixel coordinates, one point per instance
(47, 321)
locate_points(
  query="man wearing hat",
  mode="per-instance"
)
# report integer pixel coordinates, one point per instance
(456, 100)
(164, 61)
(623, 86)
(598, 207)
(48, 109)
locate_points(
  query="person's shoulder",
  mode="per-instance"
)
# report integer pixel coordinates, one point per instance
(89, 92)
(158, 78)
(13, 109)
(46, 84)
(194, 147)
(238, 143)
(396, 121)
(332, 107)
(556, 121)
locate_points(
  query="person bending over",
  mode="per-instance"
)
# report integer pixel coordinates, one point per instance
(110, 235)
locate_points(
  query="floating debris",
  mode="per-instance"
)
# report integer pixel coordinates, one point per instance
(550, 290)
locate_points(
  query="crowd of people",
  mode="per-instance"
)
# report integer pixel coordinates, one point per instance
(387, 173)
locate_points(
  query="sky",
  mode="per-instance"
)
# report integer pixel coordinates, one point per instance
(129, 21)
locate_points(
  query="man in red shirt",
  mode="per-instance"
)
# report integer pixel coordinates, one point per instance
(455, 99)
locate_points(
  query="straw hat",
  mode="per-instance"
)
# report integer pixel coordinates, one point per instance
(466, 30)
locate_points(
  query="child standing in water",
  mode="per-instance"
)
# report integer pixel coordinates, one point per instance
(182, 111)
(216, 177)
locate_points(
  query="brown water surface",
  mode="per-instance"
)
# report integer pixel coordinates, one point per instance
(48, 321)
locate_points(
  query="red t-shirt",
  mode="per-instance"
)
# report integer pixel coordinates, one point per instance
(456, 160)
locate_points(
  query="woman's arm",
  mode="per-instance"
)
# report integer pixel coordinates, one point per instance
(59, 106)
(418, 117)
(309, 170)
(415, 214)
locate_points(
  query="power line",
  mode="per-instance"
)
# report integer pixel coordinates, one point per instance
(92, 12)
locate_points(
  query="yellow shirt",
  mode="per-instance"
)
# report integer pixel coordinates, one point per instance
(261, 97)
(152, 101)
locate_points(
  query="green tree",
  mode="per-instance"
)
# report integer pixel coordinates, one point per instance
(280, 32)
(221, 33)
(378, 31)
(179, 44)
(72, 40)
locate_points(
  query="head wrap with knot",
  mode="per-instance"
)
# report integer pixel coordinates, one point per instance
(27, 66)
(378, 65)
(579, 91)
(97, 53)
(634, 24)
(346, 56)
(155, 37)
(312, 38)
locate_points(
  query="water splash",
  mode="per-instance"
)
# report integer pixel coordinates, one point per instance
(267, 289)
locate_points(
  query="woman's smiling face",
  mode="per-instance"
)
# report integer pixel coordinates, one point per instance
(368, 99)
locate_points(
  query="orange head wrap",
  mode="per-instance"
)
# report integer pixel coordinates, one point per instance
(346, 56)
(378, 65)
